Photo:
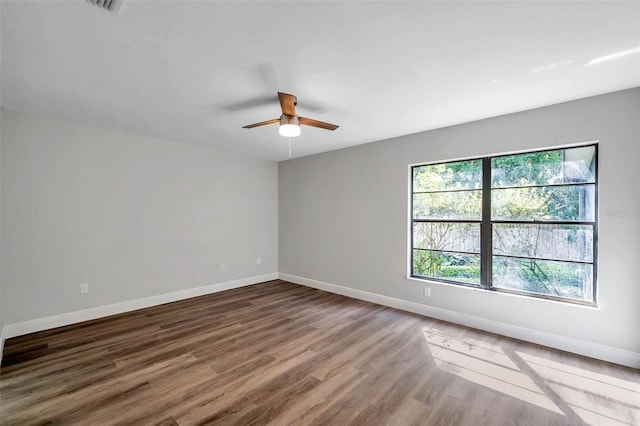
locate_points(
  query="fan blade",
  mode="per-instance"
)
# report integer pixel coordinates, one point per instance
(263, 123)
(287, 103)
(316, 123)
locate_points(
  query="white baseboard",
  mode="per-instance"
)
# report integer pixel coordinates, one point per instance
(32, 326)
(568, 344)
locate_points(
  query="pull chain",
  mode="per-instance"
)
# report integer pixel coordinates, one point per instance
(289, 147)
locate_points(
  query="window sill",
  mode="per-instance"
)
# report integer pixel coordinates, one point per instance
(498, 293)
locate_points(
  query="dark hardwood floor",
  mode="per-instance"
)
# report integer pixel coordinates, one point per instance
(278, 353)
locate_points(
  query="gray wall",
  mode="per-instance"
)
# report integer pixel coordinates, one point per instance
(343, 216)
(130, 215)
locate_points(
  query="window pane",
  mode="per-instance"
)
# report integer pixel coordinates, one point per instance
(461, 237)
(572, 165)
(447, 265)
(575, 202)
(561, 242)
(448, 176)
(464, 205)
(561, 279)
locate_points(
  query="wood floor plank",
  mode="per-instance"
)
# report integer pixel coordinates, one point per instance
(233, 391)
(282, 354)
(307, 407)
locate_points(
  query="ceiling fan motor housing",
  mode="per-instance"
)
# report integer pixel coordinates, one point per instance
(289, 119)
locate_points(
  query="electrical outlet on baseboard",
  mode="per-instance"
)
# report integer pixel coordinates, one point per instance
(427, 291)
(84, 288)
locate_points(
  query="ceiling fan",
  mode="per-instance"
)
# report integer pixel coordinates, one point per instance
(290, 121)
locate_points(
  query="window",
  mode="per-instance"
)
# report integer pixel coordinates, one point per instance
(521, 223)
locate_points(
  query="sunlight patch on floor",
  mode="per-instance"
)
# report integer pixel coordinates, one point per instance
(472, 347)
(486, 365)
(581, 372)
(596, 398)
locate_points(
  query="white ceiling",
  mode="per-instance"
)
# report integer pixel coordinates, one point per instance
(193, 72)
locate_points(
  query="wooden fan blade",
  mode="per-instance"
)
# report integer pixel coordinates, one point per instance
(316, 123)
(262, 123)
(287, 103)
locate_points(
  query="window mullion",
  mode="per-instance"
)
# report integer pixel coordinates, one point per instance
(485, 228)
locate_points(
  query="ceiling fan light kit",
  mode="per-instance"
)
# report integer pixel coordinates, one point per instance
(289, 126)
(289, 120)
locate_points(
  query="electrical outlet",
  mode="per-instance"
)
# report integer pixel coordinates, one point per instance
(258, 260)
(223, 267)
(427, 291)
(84, 288)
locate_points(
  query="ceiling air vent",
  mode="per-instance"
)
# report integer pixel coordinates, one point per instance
(110, 5)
